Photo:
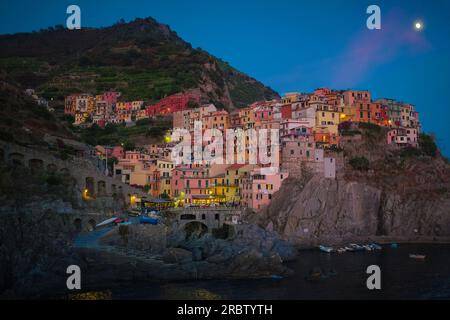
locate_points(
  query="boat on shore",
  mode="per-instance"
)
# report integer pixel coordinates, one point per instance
(356, 247)
(326, 249)
(376, 246)
(417, 256)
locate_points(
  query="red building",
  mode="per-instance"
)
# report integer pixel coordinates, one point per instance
(171, 104)
(286, 111)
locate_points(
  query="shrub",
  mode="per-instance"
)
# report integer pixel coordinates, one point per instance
(428, 145)
(409, 152)
(360, 163)
(350, 133)
(370, 126)
(345, 126)
(144, 122)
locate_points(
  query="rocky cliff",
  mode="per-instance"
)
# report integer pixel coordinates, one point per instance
(403, 195)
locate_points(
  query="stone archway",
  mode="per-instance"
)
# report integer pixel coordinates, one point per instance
(36, 165)
(77, 225)
(101, 188)
(16, 159)
(195, 229)
(89, 187)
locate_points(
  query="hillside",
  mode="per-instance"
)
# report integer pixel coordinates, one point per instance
(23, 121)
(142, 59)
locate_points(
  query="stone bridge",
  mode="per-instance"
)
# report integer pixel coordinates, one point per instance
(211, 218)
(92, 183)
(83, 222)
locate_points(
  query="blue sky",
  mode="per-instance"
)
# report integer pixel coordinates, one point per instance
(294, 45)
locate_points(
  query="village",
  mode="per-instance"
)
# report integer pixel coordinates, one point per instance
(311, 128)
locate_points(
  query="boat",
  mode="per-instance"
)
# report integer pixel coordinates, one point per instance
(106, 222)
(376, 246)
(356, 247)
(341, 250)
(367, 247)
(148, 220)
(349, 249)
(325, 249)
(417, 256)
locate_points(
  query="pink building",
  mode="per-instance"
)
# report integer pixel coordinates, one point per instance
(190, 185)
(257, 189)
(403, 136)
(351, 97)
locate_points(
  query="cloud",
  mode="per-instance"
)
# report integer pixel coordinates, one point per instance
(371, 48)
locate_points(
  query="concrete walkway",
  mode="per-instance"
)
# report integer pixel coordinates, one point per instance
(90, 239)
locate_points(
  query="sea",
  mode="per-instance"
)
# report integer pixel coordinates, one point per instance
(343, 276)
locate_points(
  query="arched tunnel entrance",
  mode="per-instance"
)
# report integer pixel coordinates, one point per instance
(195, 229)
(89, 189)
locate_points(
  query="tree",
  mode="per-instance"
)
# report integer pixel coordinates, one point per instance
(428, 145)
(128, 145)
(360, 163)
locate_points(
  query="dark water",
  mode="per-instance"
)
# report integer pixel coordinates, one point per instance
(401, 278)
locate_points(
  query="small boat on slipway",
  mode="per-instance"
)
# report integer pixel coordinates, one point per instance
(417, 256)
(326, 249)
(357, 247)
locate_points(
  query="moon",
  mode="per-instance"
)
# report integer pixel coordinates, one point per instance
(418, 25)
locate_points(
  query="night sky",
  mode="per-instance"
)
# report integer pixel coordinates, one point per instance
(296, 45)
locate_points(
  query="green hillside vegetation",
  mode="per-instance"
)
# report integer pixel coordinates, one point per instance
(142, 59)
(118, 134)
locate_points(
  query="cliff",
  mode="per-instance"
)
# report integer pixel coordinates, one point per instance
(403, 195)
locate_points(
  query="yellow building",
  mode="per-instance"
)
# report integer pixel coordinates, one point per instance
(217, 120)
(247, 118)
(328, 117)
(224, 187)
(81, 117)
(233, 177)
(347, 113)
(217, 188)
(291, 97)
(165, 168)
